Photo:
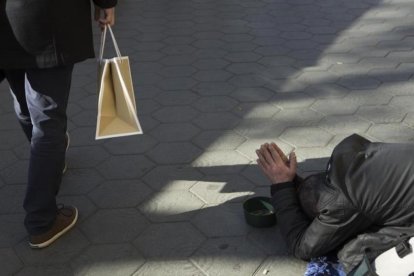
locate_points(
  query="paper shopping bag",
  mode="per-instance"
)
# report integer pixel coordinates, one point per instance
(117, 112)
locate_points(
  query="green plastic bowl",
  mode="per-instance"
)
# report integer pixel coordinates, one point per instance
(259, 212)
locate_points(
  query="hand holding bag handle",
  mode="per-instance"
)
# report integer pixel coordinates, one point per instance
(103, 38)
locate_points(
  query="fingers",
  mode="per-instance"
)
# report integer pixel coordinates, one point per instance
(264, 156)
(105, 17)
(109, 17)
(280, 152)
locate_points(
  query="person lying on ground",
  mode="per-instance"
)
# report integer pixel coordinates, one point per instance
(366, 186)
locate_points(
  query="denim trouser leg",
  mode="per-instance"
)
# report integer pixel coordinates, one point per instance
(45, 92)
(16, 81)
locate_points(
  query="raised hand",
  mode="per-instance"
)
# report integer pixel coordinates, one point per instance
(275, 165)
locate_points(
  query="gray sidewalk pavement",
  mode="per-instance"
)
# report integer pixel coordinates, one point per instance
(214, 79)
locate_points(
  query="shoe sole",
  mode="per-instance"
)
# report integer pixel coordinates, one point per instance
(57, 236)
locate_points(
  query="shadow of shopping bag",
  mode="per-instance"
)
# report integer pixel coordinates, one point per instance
(117, 112)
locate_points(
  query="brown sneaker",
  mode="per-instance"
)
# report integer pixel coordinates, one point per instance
(65, 220)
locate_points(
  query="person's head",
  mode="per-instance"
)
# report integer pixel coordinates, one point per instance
(309, 191)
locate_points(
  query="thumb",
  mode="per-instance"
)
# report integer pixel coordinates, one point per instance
(293, 163)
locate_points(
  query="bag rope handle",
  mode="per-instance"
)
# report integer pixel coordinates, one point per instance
(103, 39)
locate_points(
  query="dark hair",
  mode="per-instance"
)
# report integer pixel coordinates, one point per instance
(309, 191)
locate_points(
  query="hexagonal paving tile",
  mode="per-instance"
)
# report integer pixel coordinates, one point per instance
(11, 138)
(212, 75)
(84, 136)
(315, 77)
(86, 157)
(218, 140)
(254, 94)
(392, 133)
(242, 57)
(403, 102)
(297, 117)
(256, 176)
(62, 251)
(326, 90)
(359, 82)
(170, 206)
(176, 97)
(119, 194)
(10, 262)
(172, 114)
(245, 68)
(173, 153)
(248, 80)
(306, 136)
(344, 124)
(214, 88)
(11, 199)
(147, 106)
(15, 173)
(168, 268)
(210, 64)
(223, 188)
(337, 106)
(130, 144)
(409, 119)
(174, 132)
(12, 229)
(256, 111)
(61, 270)
(215, 104)
(177, 83)
(7, 158)
(108, 226)
(172, 177)
(125, 167)
(259, 128)
(220, 162)
(84, 118)
(216, 121)
(156, 241)
(228, 256)
(177, 71)
(282, 265)
(108, 259)
(381, 114)
(280, 73)
(79, 181)
(223, 220)
(8, 122)
(292, 100)
(269, 239)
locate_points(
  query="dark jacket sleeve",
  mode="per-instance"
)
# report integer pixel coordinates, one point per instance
(105, 4)
(305, 238)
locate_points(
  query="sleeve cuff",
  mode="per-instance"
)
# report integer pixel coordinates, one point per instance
(280, 186)
(106, 4)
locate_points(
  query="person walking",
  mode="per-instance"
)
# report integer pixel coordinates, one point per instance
(40, 43)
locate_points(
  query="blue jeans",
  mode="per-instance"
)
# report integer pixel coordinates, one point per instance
(40, 101)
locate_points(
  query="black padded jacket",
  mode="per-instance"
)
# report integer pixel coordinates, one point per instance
(46, 33)
(368, 186)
